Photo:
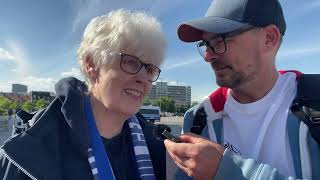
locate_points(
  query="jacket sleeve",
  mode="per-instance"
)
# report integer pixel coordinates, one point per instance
(188, 119)
(8, 171)
(234, 166)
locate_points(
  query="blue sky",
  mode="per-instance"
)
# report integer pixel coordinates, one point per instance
(39, 39)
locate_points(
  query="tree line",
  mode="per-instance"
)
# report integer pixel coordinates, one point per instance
(6, 105)
(166, 104)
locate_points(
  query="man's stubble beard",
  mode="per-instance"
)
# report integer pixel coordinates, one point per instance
(231, 80)
(234, 79)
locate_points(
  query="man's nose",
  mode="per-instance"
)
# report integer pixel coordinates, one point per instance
(210, 55)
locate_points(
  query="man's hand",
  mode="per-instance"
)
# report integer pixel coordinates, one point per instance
(197, 156)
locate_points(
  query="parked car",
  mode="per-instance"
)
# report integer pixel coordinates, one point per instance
(150, 113)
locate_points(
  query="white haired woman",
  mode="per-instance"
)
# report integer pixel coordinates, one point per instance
(91, 131)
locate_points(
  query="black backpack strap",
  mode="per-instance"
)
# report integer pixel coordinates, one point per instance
(199, 121)
(306, 105)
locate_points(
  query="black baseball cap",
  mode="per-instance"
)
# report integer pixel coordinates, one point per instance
(225, 16)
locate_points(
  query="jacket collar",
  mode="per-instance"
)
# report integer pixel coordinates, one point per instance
(67, 110)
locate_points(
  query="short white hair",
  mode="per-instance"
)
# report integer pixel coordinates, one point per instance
(117, 31)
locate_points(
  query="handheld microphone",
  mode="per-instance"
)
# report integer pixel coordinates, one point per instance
(162, 132)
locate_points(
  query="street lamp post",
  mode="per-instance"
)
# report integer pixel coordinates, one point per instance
(160, 94)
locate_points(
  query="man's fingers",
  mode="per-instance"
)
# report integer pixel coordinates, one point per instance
(192, 138)
(187, 165)
(185, 169)
(178, 149)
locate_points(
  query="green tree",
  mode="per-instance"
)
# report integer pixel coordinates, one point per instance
(40, 104)
(2, 112)
(15, 105)
(5, 103)
(181, 110)
(146, 101)
(194, 103)
(27, 106)
(166, 104)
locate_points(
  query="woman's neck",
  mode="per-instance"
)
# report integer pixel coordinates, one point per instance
(109, 123)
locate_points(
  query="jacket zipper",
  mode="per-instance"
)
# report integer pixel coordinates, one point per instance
(18, 166)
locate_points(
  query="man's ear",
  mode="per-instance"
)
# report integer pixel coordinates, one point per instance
(91, 69)
(272, 38)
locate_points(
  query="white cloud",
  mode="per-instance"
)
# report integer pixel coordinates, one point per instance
(298, 8)
(6, 55)
(176, 83)
(312, 5)
(19, 55)
(85, 10)
(172, 82)
(5, 87)
(296, 52)
(180, 64)
(177, 62)
(160, 7)
(199, 97)
(36, 83)
(75, 72)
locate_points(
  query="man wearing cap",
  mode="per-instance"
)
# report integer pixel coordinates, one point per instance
(249, 130)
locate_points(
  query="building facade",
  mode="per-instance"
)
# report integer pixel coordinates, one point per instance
(181, 95)
(19, 88)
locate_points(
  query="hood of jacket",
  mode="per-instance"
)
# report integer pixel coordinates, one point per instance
(35, 150)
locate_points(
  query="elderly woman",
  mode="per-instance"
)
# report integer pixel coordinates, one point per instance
(91, 131)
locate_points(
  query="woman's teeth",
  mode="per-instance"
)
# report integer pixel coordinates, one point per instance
(133, 92)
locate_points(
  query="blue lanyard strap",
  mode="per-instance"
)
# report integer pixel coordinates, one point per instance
(98, 158)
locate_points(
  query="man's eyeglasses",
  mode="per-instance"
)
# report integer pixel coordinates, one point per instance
(218, 44)
(133, 65)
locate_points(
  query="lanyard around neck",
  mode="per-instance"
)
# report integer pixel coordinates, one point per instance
(99, 162)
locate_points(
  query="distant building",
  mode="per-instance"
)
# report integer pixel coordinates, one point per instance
(36, 95)
(153, 93)
(181, 95)
(19, 88)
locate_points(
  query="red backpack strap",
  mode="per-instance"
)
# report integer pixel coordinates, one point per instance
(217, 101)
(218, 98)
(298, 73)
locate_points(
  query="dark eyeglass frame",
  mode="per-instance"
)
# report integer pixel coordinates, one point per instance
(142, 64)
(223, 36)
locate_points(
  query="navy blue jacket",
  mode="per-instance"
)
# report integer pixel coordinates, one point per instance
(55, 146)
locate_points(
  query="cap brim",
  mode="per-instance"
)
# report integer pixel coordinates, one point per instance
(192, 31)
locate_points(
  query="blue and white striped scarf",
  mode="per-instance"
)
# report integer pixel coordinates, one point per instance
(141, 151)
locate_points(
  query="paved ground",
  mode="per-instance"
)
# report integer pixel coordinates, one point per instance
(4, 134)
(175, 123)
(4, 129)
(176, 120)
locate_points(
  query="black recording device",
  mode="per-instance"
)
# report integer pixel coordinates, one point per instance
(162, 132)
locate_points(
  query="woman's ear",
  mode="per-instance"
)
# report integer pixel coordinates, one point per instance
(90, 68)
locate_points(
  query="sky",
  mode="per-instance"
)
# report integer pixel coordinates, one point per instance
(39, 40)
